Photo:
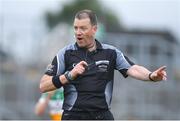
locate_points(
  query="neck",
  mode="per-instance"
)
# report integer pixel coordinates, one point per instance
(92, 46)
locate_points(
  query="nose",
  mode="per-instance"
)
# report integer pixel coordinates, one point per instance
(78, 31)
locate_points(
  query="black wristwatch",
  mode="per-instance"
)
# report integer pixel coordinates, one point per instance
(68, 76)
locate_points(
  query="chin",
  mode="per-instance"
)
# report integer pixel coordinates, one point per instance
(80, 44)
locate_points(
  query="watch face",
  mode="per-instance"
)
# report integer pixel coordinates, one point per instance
(69, 76)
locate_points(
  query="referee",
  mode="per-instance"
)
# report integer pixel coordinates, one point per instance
(85, 69)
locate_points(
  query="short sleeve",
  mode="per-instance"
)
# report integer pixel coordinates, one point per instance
(122, 63)
(124, 71)
(51, 69)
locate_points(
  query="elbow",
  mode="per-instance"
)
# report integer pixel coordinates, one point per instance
(42, 87)
(43, 83)
(42, 90)
(46, 84)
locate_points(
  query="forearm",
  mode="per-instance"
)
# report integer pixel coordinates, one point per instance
(46, 83)
(41, 106)
(49, 83)
(139, 72)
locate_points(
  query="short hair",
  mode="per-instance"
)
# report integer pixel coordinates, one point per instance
(87, 14)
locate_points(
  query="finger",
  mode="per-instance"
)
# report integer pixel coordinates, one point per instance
(161, 68)
(82, 68)
(164, 78)
(164, 73)
(83, 63)
(159, 73)
(81, 71)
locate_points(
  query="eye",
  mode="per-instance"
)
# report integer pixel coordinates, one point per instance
(75, 28)
(83, 28)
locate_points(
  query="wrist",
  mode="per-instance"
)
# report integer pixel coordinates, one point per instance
(72, 75)
(69, 76)
(56, 81)
(150, 78)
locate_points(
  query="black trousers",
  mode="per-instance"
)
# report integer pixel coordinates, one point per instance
(81, 115)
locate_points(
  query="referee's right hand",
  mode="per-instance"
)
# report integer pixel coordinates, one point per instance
(78, 69)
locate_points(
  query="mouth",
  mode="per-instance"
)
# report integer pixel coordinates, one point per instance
(79, 38)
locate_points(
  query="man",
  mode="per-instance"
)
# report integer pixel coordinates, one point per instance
(53, 100)
(86, 69)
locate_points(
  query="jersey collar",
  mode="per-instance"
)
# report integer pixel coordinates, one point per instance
(98, 44)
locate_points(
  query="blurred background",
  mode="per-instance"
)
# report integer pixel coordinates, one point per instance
(147, 31)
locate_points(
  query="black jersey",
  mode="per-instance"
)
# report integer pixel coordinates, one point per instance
(91, 91)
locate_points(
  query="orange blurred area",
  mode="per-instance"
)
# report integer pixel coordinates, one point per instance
(56, 116)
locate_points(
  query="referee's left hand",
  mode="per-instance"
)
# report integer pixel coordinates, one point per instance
(159, 74)
(78, 69)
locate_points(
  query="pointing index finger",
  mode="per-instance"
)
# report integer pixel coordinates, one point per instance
(162, 68)
(83, 63)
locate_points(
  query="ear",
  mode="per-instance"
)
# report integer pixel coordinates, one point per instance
(94, 29)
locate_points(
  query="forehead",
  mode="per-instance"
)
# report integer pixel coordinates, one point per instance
(82, 22)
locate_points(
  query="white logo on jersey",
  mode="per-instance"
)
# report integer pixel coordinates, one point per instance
(50, 68)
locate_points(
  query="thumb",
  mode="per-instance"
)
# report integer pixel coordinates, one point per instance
(83, 63)
(160, 70)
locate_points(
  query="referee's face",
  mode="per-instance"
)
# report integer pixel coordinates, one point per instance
(84, 32)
